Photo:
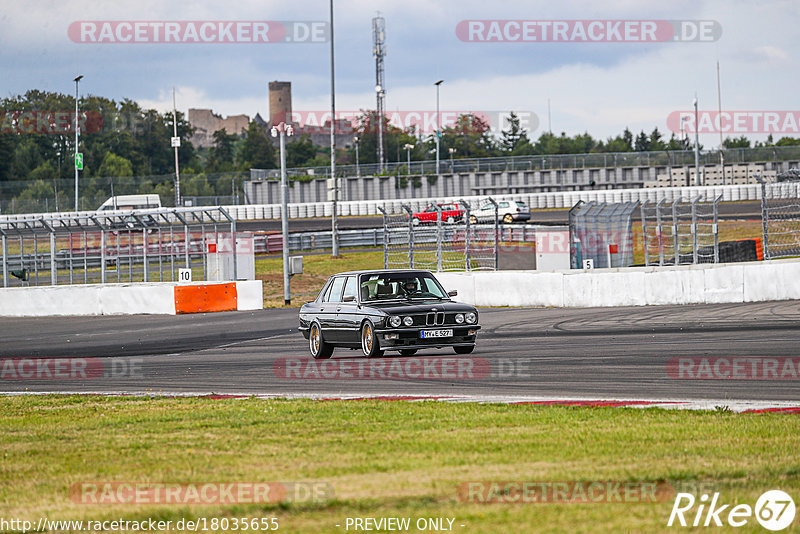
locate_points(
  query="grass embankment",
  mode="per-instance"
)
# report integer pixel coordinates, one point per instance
(384, 458)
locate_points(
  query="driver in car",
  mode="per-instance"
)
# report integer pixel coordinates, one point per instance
(410, 286)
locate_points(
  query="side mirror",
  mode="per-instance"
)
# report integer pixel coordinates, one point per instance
(348, 298)
(452, 293)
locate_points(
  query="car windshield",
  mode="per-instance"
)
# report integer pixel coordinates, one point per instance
(389, 286)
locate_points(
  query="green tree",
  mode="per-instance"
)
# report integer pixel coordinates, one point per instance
(300, 152)
(256, 152)
(220, 158)
(514, 141)
(114, 165)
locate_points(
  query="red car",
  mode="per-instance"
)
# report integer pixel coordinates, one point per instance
(451, 213)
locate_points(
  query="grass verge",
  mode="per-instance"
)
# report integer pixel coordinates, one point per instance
(381, 459)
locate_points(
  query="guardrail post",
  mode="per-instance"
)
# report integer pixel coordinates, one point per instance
(385, 239)
(675, 236)
(410, 236)
(694, 229)
(102, 256)
(496, 233)
(144, 254)
(53, 270)
(438, 238)
(659, 229)
(5, 260)
(644, 232)
(716, 228)
(764, 216)
(467, 258)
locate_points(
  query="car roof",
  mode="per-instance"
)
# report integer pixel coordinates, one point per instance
(380, 271)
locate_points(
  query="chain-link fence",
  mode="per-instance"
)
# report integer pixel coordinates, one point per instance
(680, 232)
(601, 234)
(119, 246)
(444, 237)
(780, 215)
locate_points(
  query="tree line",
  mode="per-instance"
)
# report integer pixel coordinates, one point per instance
(126, 149)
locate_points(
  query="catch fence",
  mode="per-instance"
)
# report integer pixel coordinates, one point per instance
(780, 215)
(428, 241)
(116, 246)
(684, 231)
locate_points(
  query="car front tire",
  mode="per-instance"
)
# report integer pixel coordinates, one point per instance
(473, 219)
(464, 350)
(415, 221)
(508, 218)
(320, 350)
(369, 341)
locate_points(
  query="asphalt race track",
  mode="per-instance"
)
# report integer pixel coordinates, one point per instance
(607, 353)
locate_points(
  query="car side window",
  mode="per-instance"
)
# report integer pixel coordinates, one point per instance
(504, 204)
(350, 287)
(335, 293)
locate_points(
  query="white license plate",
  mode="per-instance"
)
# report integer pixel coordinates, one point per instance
(436, 333)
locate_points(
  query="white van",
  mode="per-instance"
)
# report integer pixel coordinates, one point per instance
(131, 202)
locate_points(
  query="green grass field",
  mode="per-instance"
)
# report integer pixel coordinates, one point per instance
(384, 459)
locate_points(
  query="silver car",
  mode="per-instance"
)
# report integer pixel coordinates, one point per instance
(508, 211)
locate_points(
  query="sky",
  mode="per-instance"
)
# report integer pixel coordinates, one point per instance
(595, 87)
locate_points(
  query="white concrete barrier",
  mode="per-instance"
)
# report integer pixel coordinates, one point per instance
(112, 299)
(636, 286)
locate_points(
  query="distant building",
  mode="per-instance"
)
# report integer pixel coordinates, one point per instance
(280, 110)
(206, 122)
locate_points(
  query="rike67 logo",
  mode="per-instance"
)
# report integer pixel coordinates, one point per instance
(774, 510)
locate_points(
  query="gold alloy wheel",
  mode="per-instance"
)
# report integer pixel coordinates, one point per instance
(314, 340)
(366, 339)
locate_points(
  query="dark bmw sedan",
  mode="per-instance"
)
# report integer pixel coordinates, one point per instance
(376, 311)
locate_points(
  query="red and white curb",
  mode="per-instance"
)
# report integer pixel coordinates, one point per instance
(737, 406)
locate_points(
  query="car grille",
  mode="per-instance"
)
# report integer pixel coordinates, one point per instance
(434, 318)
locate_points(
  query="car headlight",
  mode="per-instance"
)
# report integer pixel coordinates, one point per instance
(459, 318)
(472, 317)
(394, 321)
(408, 321)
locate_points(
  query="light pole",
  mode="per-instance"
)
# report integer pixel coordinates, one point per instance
(176, 142)
(408, 147)
(438, 134)
(334, 236)
(358, 167)
(379, 117)
(76, 80)
(696, 144)
(452, 151)
(283, 130)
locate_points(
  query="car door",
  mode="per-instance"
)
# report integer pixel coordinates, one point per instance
(327, 309)
(348, 318)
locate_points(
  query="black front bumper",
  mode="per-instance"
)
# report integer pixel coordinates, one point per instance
(409, 338)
